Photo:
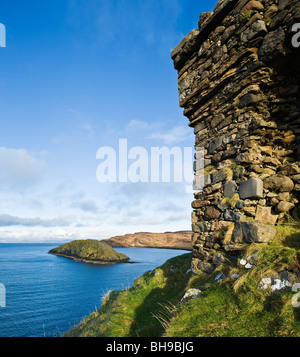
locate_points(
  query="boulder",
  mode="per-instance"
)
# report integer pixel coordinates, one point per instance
(252, 232)
(272, 45)
(284, 206)
(278, 183)
(252, 188)
(211, 213)
(191, 294)
(256, 29)
(230, 189)
(264, 215)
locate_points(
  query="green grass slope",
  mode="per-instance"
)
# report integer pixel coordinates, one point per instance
(236, 306)
(89, 250)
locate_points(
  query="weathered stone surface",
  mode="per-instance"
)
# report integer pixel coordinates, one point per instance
(271, 11)
(272, 45)
(215, 144)
(217, 120)
(180, 53)
(284, 206)
(252, 5)
(256, 29)
(221, 175)
(252, 232)
(252, 188)
(289, 170)
(200, 203)
(249, 99)
(206, 267)
(230, 189)
(278, 183)
(211, 212)
(264, 215)
(230, 215)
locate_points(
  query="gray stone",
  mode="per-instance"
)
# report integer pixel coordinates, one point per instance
(205, 267)
(230, 189)
(249, 99)
(272, 45)
(215, 144)
(256, 29)
(220, 175)
(252, 188)
(219, 259)
(240, 204)
(252, 232)
(238, 172)
(230, 215)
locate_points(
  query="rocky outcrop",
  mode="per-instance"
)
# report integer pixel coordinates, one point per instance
(168, 240)
(239, 85)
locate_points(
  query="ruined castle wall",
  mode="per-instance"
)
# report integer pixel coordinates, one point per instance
(239, 85)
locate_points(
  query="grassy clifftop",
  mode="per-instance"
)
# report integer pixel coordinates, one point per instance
(89, 250)
(234, 301)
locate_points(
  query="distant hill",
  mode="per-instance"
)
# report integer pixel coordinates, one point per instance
(168, 240)
(89, 251)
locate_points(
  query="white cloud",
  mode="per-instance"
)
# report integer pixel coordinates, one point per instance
(8, 220)
(176, 135)
(19, 168)
(86, 205)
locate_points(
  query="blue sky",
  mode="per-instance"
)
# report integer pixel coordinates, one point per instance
(78, 75)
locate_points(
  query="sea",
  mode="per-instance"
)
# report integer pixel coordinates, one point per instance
(43, 295)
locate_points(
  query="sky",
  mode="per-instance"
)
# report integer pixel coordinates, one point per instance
(79, 77)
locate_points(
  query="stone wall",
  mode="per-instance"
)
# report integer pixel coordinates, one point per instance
(239, 79)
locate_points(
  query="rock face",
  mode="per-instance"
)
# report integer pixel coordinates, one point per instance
(90, 251)
(239, 85)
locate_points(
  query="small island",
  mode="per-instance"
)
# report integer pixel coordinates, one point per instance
(90, 251)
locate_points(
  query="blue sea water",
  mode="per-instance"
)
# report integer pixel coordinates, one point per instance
(46, 295)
